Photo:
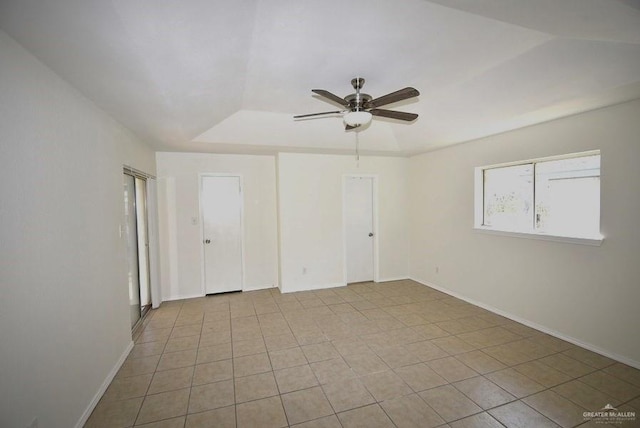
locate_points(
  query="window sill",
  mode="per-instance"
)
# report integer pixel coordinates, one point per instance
(596, 242)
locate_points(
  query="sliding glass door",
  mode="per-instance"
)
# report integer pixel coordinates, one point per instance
(137, 239)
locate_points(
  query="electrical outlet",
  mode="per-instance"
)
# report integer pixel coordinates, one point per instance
(437, 269)
(304, 270)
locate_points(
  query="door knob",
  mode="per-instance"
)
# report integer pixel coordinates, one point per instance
(370, 234)
(207, 241)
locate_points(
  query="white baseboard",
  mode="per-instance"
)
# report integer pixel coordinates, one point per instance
(399, 278)
(338, 284)
(182, 297)
(194, 296)
(258, 287)
(551, 332)
(314, 287)
(96, 398)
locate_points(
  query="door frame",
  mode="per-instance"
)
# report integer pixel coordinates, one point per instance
(154, 251)
(374, 212)
(203, 270)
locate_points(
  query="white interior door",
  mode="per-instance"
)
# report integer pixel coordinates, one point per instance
(222, 226)
(359, 228)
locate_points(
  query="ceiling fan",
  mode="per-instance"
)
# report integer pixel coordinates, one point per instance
(360, 108)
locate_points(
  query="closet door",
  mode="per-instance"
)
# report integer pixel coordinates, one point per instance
(137, 239)
(358, 215)
(131, 238)
(221, 202)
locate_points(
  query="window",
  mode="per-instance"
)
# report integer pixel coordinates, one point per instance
(553, 197)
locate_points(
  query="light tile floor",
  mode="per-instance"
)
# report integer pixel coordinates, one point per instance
(367, 355)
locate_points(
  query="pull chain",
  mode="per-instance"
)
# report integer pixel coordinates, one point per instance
(358, 149)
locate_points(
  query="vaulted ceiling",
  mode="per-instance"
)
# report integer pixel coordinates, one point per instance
(227, 76)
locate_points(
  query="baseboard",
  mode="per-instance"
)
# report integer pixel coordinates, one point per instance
(259, 287)
(283, 290)
(399, 278)
(193, 296)
(96, 398)
(551, 332)
(338, 284)
(182, 297)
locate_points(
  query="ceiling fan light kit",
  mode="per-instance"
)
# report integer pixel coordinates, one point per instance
(357, 118)
(360, 108)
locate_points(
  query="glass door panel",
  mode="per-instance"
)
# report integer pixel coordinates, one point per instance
(131, 237)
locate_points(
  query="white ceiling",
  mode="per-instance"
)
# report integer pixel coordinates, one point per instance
(227, 76)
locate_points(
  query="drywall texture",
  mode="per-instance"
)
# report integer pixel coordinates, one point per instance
(64, 314)
(588, 293)
(180, 223)
(310, 208)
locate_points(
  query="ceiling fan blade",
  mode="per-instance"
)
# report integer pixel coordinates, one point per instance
(349, 127)
(393, 97)
(328, 95)
(401, 115)
(300, 116)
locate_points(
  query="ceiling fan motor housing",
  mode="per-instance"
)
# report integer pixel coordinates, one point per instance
(352, 99)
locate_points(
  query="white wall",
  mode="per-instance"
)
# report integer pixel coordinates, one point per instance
(587, 293)
(310, 209)
(181, 240)
(64, 314)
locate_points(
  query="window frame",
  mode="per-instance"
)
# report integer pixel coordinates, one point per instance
(479, 203)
